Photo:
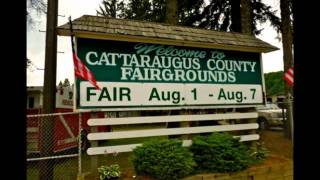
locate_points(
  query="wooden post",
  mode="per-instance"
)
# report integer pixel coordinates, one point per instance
(253, 131)
(185, 124)
(94, 159)
(49, 93)
(110, 115)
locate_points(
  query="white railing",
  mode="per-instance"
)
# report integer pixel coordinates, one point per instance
(95, 136)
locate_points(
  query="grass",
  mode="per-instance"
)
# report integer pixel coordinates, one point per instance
(68, 168)
(63, 169)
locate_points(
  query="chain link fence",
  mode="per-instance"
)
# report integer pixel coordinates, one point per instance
(57, 144)
(53, 146)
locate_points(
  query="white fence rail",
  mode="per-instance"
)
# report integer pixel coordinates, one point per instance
(166, 131)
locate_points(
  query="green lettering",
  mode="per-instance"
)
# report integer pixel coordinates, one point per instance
(89, 93)
(124, 91)
(154, 94)
(222, 94)
(104, 94)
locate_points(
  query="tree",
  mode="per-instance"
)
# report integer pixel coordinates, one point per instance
(139, 10)
(235, 15)
(111, 8)
(223, 15)
(66, 82)
(60, 84)
(172, 15)
(274, 83)
(146, 10)
(246, 17)
(287, 37)
(39, 6)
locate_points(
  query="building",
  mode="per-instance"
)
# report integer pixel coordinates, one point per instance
(64, 97)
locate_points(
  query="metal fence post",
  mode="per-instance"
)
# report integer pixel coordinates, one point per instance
(288, 124)
(283, 113)
(291, 119)
(79, 147)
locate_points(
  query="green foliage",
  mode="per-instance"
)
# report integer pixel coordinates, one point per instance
(163, 159)
(260, 153)
(109, 172)
(113, 8)
(214, 15)
(220, 152)
(274, 83)
(146, 10)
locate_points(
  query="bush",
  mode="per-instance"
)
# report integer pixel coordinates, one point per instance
(163, 159)
(109, 172)
(220, 152)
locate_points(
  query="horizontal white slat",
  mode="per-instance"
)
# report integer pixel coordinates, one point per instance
(130, 147)
(170, 131)
(250, 137)
(172, 118)
(32, 129)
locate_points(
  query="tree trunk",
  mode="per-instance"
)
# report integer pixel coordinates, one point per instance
(172, 12)
(246, 17)
(235, 16)
(287, 56)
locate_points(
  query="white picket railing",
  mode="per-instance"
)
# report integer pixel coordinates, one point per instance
(95, 136)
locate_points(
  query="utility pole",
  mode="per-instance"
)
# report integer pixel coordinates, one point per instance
(46, 142)
(287, 40)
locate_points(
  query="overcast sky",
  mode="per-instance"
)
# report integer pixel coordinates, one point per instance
(75, 8)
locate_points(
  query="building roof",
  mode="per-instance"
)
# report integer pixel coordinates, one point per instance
(149, 32)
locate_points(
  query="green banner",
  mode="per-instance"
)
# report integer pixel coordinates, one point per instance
(140, 65)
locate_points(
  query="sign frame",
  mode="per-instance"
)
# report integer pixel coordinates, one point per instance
(168, 107)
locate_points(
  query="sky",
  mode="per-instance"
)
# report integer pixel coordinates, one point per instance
(75, 8)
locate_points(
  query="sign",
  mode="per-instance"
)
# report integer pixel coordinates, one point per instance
(149, 76)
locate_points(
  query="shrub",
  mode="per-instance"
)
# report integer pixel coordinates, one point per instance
(220, 152)
(163, 159)
(109, 172)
